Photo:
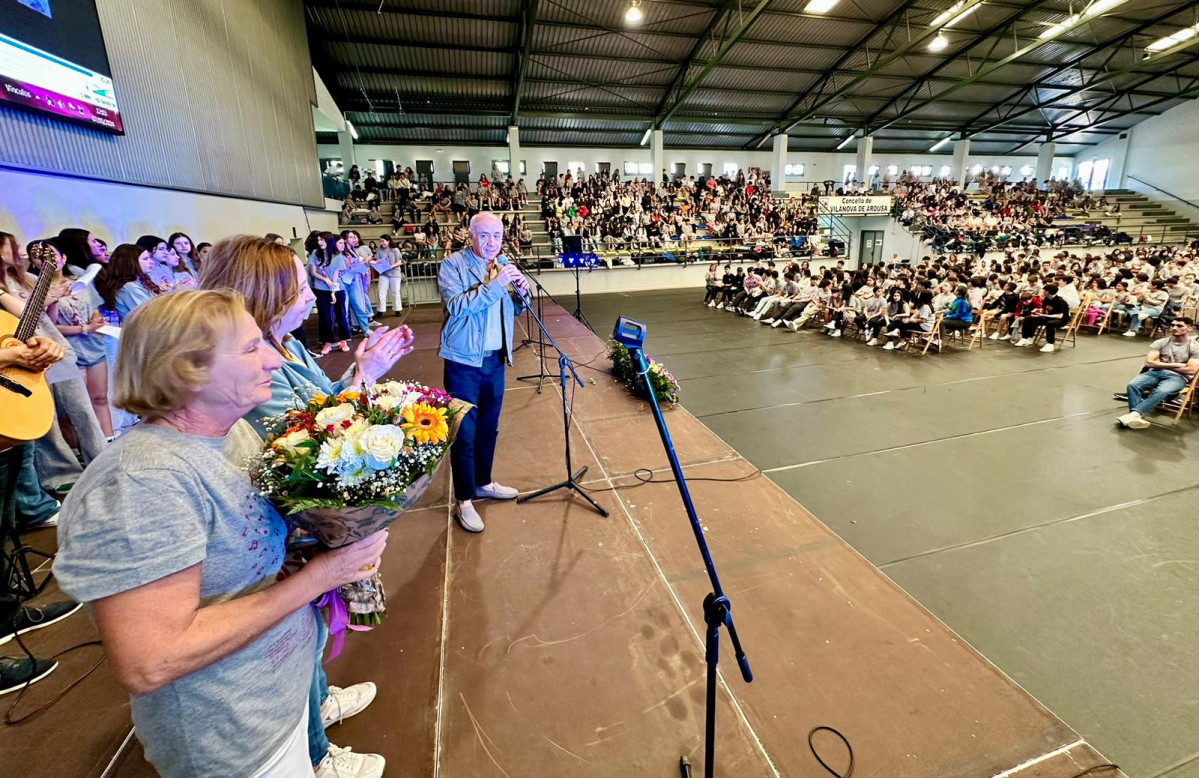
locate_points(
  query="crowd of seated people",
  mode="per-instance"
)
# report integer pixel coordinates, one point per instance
(106, 438)
(1021, 296)
(1009, 215)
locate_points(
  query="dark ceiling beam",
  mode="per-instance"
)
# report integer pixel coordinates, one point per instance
(730, 40)
(1190, 91)
(1020, 52)
(528, 18)
(1103, 78)
(999, 28)
(1078, 59)
(676, 83)
(373, 7)
(835, 68)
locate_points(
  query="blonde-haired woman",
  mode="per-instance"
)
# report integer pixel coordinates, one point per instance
(215, 653)
(274, 285)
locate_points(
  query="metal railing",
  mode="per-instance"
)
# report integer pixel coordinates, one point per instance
(1086, 236)
(1163, 191)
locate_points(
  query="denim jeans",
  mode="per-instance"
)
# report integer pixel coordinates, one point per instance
(34, 505)
(1159, 383)
(55, 463)
(1140, 315)
(332, 321)
(318, 741)
(360, 305)
(474, 449)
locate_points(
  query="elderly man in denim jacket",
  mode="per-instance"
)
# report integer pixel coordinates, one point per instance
(482, 295)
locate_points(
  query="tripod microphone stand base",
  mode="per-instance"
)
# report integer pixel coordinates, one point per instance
(572, 482)
(16, 577)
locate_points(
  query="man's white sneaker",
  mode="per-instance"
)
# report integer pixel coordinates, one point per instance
(893, 333)
(1130, 334)
(832, 325)
(720, 307)
(889, 347)
(994, 336)
(712, 304)
(1137, 422)
(767, 321)
(341, 703)
(793, 326)
(1123, 420)
(872, 342)
(836, 333)
(1047, 348)
(344, 763)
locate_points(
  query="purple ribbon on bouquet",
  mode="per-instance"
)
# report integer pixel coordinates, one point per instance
(339, 620)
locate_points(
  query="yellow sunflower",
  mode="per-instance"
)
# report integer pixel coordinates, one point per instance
(425, 424)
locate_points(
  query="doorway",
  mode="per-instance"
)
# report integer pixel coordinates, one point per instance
(604, 169)
(424, 172)
(705, 171)
(550, 169)
(461, 172)
(680, 171)
(871, 250)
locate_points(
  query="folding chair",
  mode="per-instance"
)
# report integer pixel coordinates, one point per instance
(918, 337)
(978, 333)
(1182, 402)
(1070, 331)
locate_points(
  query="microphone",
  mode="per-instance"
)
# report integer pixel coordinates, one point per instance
(493, 272)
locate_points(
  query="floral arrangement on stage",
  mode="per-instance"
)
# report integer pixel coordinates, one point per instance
(345, 466)
(666, 387)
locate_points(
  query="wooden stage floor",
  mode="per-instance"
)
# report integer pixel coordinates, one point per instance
(558, 642)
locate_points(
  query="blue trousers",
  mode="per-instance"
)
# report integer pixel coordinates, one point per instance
(360, 305)
(474, 449)
(1160, 384)
(318, 741)
(34, 505)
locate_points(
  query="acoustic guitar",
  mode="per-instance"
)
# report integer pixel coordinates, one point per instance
(26, 406)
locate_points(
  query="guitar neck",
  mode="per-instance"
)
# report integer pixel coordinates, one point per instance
(35, 306)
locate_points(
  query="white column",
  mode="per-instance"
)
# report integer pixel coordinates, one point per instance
(346, 143)
(1045, 162)
(1119, 154)
(961, 159)
(657, 157)
(778, 163)
(865, 158)
(514, 153)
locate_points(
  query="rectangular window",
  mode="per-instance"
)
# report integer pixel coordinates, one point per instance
(645, 168)
(872, 171)
(892, 170)
(576, 168)
(794, 169)
(848, 173)
(922, 170)
(501, 165)
(630, 168)
(730, 169)
(1063, 173)
(945, 170)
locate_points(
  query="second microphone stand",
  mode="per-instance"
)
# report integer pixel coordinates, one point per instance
(564, 366)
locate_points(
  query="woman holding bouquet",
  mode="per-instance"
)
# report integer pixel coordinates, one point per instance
(274, 285)
(177, 553)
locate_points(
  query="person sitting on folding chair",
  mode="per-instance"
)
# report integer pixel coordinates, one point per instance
(1054, 313)
(1171, 364)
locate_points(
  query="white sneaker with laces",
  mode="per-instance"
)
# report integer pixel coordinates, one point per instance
(1047, 348)
(344, 763)
(341, 703)
(836, 333)
(712, 304)
(1130, 334)
(994, 336)
(832, 325)
(768, 321)
(720, 307)
(1136, 422)
(889, 347)
(872, 342)
(893, 333)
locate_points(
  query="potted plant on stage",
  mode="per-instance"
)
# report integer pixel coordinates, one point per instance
(345, 466)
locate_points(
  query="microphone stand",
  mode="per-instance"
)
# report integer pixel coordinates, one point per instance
(564, 365)
(540, 375)
(717, 608)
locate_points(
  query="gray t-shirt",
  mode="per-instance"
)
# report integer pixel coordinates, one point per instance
(1175, 353)
(159, 501)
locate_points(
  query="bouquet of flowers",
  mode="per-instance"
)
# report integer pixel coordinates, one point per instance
(666, 386)
(345, 466)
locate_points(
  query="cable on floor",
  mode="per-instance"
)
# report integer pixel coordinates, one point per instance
(848, 748)
(9, 718)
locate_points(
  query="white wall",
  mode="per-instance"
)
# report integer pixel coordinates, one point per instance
(1159, 158)
(819, 165)
(35, 205)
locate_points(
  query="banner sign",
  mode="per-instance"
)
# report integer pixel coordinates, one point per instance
(856, 205)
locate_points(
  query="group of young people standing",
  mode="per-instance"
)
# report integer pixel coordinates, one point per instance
(339, 269)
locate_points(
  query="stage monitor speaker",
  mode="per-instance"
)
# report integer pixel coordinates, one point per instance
(572, 244)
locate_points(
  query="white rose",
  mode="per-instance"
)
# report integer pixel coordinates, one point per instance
(391, 387)
(335, 415)
(288, 443)
(386, 402)
(382, 444)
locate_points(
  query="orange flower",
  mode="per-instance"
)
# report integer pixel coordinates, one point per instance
(317, 399)
(424, 423)
(348, 397)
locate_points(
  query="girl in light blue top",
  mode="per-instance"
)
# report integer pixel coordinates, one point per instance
(326, 266)
(125, 282)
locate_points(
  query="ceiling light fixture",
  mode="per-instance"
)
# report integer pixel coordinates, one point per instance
(819, 6)
(634, 15)
(353, 132)
(940, 143)
(962, 15)
(1093, 10)
(938, 43)
(845, 142)
(645, 137)
(1172, 44)
(953, 9)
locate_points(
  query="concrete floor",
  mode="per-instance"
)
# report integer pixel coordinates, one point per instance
(994, 487)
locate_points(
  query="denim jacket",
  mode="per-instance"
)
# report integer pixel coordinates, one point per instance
(467, 295)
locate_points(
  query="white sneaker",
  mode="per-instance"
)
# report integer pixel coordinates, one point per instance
(832, 325)
(1130, 334)
(341, 703)
(344, 763)
(778, 323)
(712, 304)
(1123, 420)
(872, 342)
(889, 347)
(893, 334)
(720, 307)
(1047, 348)
(994, 336)
(836, 333)
(768, 321)
(1137, 422)
(794, 327)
